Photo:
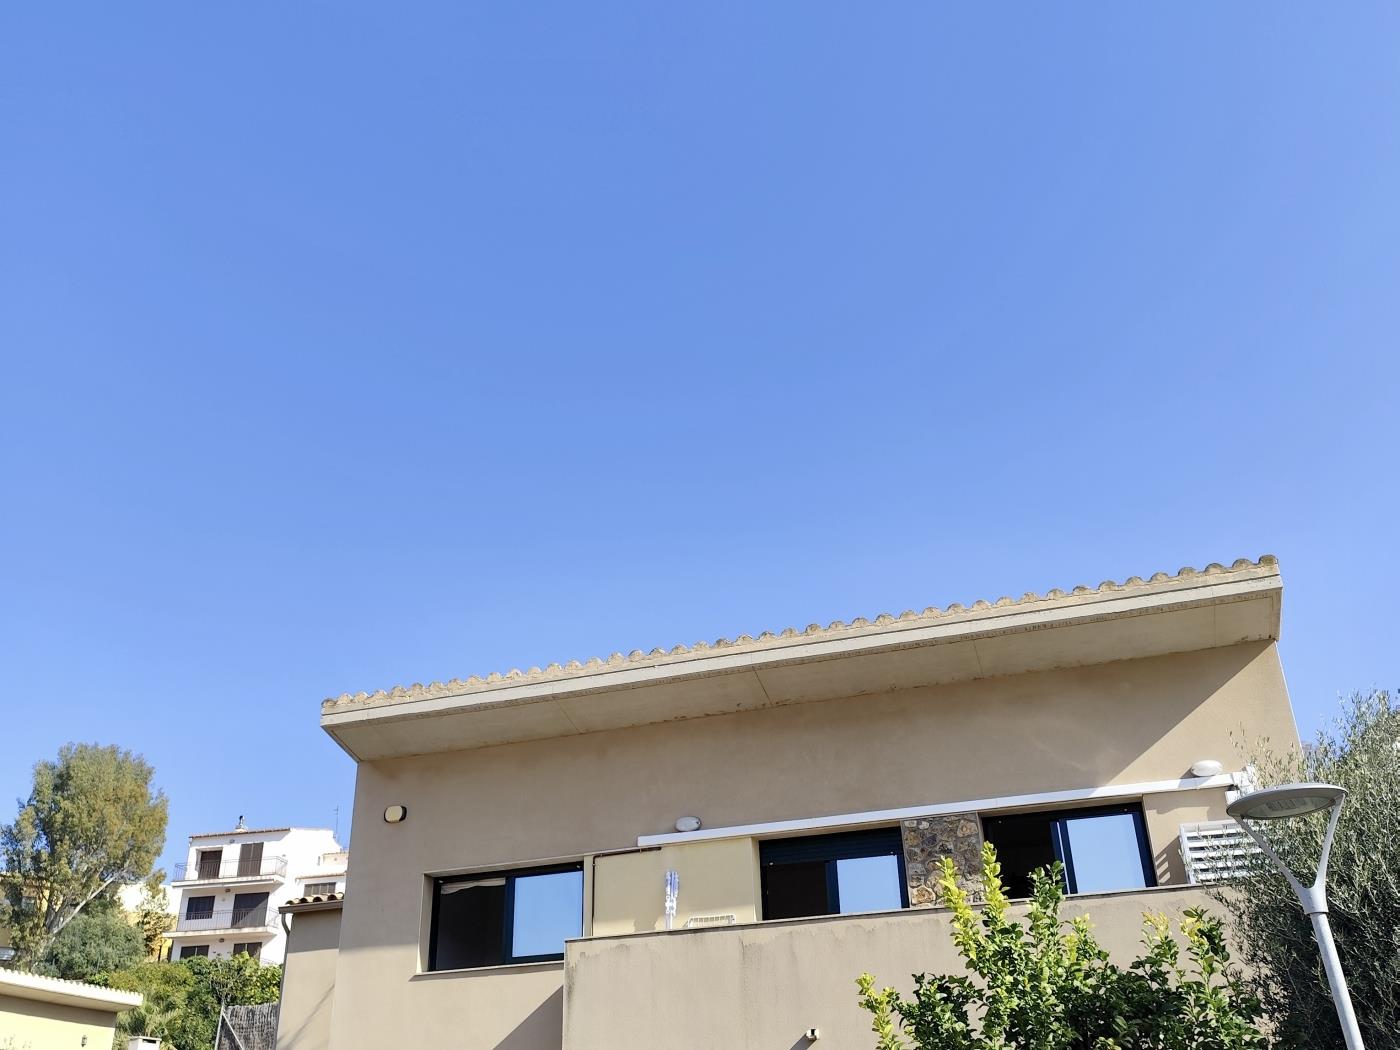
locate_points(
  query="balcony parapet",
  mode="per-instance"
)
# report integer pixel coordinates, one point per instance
(766, 983)
(265, 867)
(236, 919)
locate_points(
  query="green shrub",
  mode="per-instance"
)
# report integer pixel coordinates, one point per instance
(183, 999)
(1046, 984)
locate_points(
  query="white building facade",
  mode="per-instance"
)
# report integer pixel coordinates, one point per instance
(232, 882)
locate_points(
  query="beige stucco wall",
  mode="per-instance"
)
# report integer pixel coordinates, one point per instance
(763, 986)
(1164, 814)
(36, 1025)
(1124, 722)
(308, 981)
(716, 878)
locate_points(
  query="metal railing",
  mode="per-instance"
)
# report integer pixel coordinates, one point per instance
(234, 868)
(259, 917)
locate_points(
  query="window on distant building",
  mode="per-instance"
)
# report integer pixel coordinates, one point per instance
(199, 907)
(833, 874)
(319, 889)
(209, 861)
(189, 951)
(505, 917)
(1103, 848)
(252, 949)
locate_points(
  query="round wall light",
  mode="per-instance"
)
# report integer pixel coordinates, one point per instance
(688, 824)
(1206, 767)
(395, 814)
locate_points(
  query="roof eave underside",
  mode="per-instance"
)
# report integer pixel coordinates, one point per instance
(1179, 615)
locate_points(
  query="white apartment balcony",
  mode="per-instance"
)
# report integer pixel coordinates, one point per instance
(237, 870)
(253, 923)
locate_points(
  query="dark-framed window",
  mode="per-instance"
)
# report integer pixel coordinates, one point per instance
(209, 862)
(833, 874)
(189, 951)
(199, 907)
(252, 949)
(1101, 847)
(499, 917)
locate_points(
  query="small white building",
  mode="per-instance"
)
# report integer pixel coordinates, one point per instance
(233, 881)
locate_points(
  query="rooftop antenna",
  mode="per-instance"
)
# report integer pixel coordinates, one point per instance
(336, 835)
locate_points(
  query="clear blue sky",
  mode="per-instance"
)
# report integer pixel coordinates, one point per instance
(348, 345)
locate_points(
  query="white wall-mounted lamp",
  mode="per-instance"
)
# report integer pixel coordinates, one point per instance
(687, 823)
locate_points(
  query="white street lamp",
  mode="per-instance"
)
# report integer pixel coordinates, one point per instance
(1299, 800)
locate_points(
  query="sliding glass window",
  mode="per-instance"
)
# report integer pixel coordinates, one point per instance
(833, 874)
(1103, 848)
(505, 917)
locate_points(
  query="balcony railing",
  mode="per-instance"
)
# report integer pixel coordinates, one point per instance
(237, 868)
(256, 918)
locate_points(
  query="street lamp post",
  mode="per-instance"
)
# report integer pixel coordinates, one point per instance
(1297, 800)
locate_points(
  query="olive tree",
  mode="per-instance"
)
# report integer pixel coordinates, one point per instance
(1360, 751)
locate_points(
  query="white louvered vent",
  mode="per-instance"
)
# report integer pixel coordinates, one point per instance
(1215, 850)
(709, 920)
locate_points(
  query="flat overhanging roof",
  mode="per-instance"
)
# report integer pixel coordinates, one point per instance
(1192, 610)
(22, 985)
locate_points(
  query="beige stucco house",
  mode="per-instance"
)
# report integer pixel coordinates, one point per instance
(516, 836)
(46, 1013)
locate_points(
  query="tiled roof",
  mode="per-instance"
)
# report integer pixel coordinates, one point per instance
(789, 636)
(322, 900)
(26, 985)
(254, 831)
(238, 831)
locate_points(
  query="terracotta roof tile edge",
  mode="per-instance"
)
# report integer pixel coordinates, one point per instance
(314, 899)
(766, 640)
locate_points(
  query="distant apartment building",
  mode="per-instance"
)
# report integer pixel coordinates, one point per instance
(232, 882)
(519, 837)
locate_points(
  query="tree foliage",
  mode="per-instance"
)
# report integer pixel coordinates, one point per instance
(183, 999)
(153, 919)
(90, 824)
(1046, 984)
(1360, 752)
(93, 944)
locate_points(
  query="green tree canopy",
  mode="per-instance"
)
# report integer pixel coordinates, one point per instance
(153, 918)
(1360, 752)
(90, 824)
(93, 944)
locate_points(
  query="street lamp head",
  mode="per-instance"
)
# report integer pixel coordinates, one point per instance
(1291, 800)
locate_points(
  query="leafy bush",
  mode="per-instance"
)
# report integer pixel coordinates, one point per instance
(183, 998)
(1048, 985)
(1360, 752)
(92, 944)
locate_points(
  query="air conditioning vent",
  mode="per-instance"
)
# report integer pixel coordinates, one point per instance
(1216, 851)
(696, 921)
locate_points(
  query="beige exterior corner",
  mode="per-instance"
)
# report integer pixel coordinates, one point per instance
(1105, 696)
(45, 1013)
(308, 979)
